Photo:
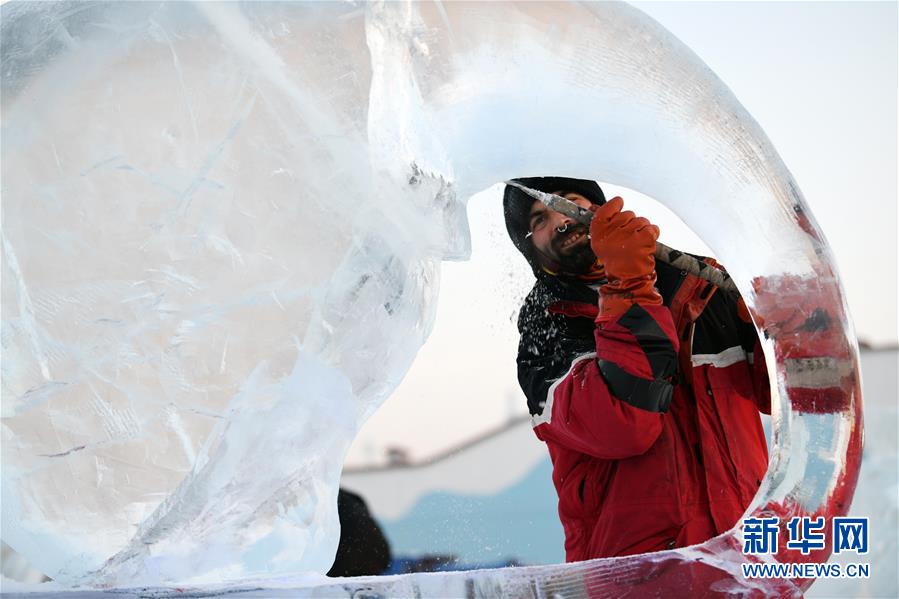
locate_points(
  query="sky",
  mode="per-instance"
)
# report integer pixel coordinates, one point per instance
(821, 80)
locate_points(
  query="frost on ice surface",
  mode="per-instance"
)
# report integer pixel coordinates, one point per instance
(222, 226)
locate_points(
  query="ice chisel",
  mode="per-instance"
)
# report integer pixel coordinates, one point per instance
(675, 258)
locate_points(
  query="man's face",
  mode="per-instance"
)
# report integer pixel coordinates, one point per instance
(560, 241)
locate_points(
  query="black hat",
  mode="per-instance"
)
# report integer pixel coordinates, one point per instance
(517, 206)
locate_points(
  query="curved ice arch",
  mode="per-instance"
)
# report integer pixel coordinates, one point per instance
(221, 232)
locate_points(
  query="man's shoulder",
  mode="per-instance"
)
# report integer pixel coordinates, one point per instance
(541, 295)
(548, 290)
(670, 278)
(534, 306)
(535, 315)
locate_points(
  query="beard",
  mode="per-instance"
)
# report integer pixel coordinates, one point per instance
(578, 259)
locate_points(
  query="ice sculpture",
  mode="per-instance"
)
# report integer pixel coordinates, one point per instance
(221, 230)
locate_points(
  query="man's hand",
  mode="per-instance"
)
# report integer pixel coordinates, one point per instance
(625, 245)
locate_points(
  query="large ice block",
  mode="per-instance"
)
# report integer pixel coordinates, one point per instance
(222, 224)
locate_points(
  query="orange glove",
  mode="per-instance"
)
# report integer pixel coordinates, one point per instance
(625, 245)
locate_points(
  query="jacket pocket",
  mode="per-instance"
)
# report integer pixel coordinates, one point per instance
(584, 489)
(595, 486)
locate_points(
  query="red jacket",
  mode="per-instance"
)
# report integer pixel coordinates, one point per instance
(633, 476)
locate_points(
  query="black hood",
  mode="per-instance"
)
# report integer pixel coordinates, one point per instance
(517, 207)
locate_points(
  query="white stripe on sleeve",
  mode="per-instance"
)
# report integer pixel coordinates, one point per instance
(730, 356)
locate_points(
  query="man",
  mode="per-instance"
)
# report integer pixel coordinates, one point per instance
(644, 381)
